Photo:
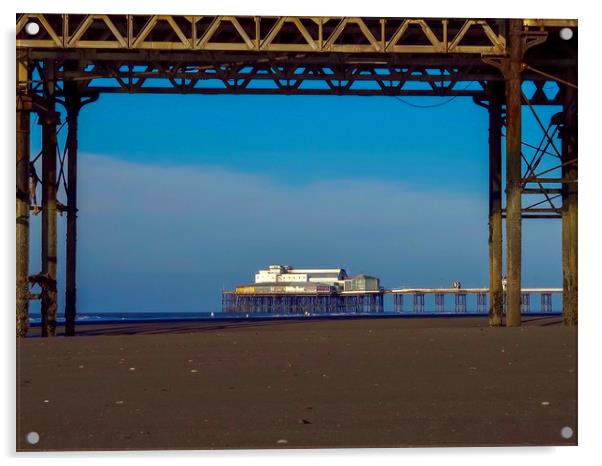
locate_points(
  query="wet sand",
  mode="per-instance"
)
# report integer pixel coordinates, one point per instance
(299, 384)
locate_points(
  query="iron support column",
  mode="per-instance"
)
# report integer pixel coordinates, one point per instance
(22, 206)
(49, 120)
(496, 306)
(72, 105)
(569, 206)
(513, 173)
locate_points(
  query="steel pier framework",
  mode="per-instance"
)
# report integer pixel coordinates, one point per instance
(285, 304)
(75, 58)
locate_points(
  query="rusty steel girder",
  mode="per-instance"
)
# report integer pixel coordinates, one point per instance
(264, 34)
(283, 55)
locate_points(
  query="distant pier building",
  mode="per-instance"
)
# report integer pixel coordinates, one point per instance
(282, 289)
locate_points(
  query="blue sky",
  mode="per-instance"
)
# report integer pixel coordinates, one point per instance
(183, 195)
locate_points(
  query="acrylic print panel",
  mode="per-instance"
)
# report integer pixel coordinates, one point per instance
(254, 232)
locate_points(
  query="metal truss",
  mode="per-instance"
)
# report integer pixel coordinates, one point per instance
(62, 155)
(264, 34)
(541, 184)
(282, 55)
(277, 76)
(271, 77)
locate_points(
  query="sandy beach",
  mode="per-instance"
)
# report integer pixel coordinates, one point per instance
(299, 384)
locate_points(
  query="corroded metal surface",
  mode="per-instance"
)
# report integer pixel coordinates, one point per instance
(495, 205)
(49, 121)
(512, 70)
(23, 119)
(570, 207)
(264, 34)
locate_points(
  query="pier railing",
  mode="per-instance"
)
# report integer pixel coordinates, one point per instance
(465, 300)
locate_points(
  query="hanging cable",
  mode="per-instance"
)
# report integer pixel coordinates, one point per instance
(440, 104)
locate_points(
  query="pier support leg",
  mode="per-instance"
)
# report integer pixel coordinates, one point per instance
(22, 206)
(72, 104)
(513, 174)
(49, 120)
(495, 207)
(569, 207)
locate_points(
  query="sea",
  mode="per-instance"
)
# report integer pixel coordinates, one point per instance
(148, 317)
